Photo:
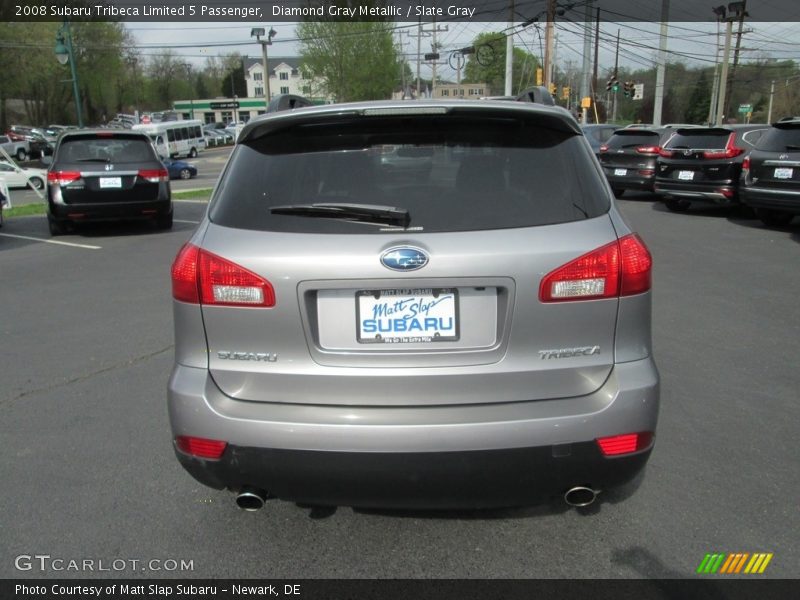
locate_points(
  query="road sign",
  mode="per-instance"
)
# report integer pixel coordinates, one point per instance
(638, 91)
(745, 108)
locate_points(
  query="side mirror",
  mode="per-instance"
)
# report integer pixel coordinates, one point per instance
(47, 160)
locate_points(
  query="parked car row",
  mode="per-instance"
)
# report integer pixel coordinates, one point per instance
(753, 165)
(217, 137)
(39, 142)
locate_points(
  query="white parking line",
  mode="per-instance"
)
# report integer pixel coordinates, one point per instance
(34, 239)
(192, 222)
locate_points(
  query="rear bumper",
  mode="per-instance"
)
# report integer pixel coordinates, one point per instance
(484, 455)
(709, 193)
(109, 211)
(637, 182)
(783, 200)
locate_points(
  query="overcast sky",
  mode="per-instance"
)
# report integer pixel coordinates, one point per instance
(692, 43)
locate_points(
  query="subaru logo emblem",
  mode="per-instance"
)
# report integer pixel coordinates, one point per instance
(404, 258)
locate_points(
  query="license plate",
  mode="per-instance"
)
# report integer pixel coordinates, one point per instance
(111, 182)
(686, 175)
(621, 172)
(783, 173)
(407, 316)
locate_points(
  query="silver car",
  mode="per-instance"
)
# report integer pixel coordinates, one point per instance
(473, 334)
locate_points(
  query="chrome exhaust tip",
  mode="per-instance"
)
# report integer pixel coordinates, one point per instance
(580, 496)
(251, 499)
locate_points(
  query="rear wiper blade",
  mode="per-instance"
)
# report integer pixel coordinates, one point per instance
(792, 147)
(362, 213)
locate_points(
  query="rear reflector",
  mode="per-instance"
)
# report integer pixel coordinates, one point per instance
(621, 268)
(63, 177)
(746, 165)
(201, 447)
(616, 445)
(201, 277)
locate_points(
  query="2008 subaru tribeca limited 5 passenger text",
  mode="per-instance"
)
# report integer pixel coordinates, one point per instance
(470, 332)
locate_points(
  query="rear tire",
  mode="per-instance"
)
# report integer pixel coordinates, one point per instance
(55, 227)
(677, 205)
(37, 183)
(164, 221)
(618, 192)
(21, 154)
(193, 153)
(774, 218)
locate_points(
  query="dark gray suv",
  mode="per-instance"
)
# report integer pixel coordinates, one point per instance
(105, 175)
(470, 332)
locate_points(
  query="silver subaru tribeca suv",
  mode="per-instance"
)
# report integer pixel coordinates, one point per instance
(427, 304)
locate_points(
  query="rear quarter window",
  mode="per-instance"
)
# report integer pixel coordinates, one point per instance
(451, 174)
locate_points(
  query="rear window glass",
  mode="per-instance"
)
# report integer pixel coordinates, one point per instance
(110, 149)
(632, 140)
(450, 174)
(780, 139)
(699, 140)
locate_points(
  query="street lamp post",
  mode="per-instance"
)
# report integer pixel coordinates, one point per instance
(132, 61)
(257, 32)
(188, 68)
(64, 54)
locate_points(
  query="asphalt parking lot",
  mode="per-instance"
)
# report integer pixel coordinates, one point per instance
(88, 471)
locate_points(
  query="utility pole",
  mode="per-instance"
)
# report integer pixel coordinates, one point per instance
(596, 54)
(586, 73)
(425, 33)
(662, 60)
(510, 52)
(732, 76)
(712, 109)
(723, 76)
(548, 42)
(616, 76)
(771, 95)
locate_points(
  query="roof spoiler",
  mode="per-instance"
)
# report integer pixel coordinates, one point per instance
(287, 102)
(537, 94)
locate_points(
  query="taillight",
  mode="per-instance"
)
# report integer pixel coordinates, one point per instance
(201, 447)
(746, 165)
(730, 151)
(666, 153)
(154, 175)
(604, 148)
(200, 277)
(648, 150)
(625, 444)
(62, 177)
(621, 268)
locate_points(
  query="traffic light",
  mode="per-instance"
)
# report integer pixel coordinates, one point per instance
(539, 76)
(628, 88)
(565, 92)
(613, 84)
(552, 89)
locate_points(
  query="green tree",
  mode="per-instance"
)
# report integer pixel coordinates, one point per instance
(354, 60)
(488, 64)
(697, 108)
